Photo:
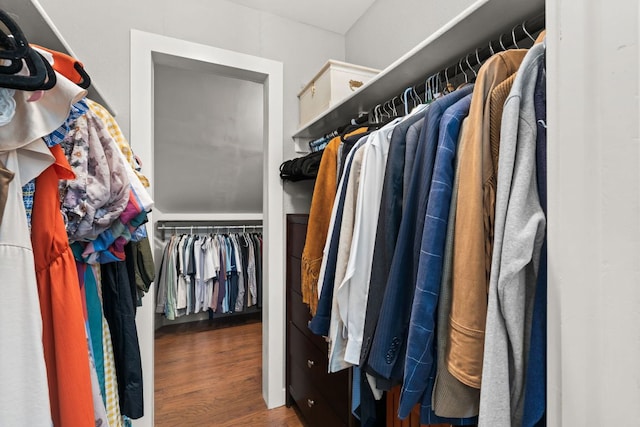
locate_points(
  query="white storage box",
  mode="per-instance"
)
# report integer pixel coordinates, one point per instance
(335, 81)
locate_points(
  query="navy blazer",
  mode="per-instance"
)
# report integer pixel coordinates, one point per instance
(419, 375)
(387, 230)
(386, 357)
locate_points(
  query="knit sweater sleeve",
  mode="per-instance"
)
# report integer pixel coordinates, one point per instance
(519, 233)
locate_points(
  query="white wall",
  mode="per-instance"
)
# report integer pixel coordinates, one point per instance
(208, 152)
(99, 35)
(594, 212)
(390, 28)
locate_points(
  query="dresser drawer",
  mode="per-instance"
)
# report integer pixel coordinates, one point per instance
(293, 274)
(315, 409)
(296, 235)
(333, 387)
(301, 317)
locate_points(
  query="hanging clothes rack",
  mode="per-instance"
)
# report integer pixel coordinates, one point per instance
(163, 228)
(195, 280)
(512, 38)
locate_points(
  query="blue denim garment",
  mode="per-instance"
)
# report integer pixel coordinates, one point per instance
(420, 363)
(386, 358)
(320, 323)
(54, 138)
(535, 395)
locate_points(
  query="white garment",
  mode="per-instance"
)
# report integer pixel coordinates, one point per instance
(181, 302)
(24, 391)
(211, 265)
(352, 294)
(199, 258)
(337, 346)
(237, 304)
(342, 181)
(33, 120)
(211, 259)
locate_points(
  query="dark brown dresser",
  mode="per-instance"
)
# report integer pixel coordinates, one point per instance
(323, 399)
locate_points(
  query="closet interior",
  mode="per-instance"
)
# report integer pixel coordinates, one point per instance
(208, 186)
(422, 273)
(428, 187)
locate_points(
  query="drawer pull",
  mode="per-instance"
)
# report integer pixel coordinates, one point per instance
(310, 363)
(310, 403)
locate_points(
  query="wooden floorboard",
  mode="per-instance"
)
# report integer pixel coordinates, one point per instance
(212, 377)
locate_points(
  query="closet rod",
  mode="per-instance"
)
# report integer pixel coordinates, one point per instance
(519, 33)
(207, 227)
(198, 228)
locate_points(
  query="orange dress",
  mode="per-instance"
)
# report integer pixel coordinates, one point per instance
(65, 341)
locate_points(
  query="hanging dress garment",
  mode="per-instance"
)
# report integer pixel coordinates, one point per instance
(119, 311)
(112, 397)
(24, 395)
(64, 335)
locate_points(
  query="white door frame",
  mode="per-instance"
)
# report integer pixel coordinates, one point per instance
(146, 49)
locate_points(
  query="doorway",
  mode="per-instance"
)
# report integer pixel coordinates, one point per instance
(149, 51)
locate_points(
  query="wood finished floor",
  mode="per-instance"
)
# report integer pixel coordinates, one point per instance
(206, 377)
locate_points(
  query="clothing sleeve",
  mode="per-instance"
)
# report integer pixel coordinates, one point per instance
(419, 363)
(367, 211)
(520, 226)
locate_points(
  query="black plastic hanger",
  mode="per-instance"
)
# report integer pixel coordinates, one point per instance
(41, 74)
(19, 43)
(86, 80)
(51, 74)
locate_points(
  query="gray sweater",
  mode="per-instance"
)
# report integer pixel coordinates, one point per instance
(519, 233)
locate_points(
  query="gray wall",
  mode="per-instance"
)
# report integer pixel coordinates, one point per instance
(99, 36)
(390, 28)
(208, 142)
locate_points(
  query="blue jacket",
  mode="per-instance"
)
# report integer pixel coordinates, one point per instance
(387, 230)
(536, 380)
(420, 361)
(386, 356)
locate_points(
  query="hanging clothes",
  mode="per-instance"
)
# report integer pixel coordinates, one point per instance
(119, 310)
(61, 306)
(432, 199)
(519, 234)
(119, 138)
(209, 272)
(536, 378)
(451, 398)
(22, 353)
(59, 367)
(419, 373)
(473, 235)
(389, 343)
(21, 140)
(320, 213)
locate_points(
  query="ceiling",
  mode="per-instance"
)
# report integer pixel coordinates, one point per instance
(333, 15)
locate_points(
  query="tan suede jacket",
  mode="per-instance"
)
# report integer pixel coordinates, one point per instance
(473, 236)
